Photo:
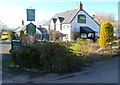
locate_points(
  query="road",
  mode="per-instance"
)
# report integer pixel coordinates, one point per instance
(4, 54)
(105, 71)
(5, 47)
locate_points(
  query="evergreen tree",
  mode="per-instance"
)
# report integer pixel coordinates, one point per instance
(106, 34)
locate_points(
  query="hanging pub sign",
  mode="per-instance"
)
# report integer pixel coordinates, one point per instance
(31, 28)
(30, 14)
(81, 18)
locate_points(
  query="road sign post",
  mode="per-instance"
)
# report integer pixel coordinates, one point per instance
(15, 44)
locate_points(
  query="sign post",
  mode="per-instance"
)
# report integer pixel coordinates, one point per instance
(15, 44)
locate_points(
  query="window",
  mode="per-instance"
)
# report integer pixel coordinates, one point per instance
(81, 18)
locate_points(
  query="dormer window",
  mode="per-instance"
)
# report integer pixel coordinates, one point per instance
(61, 19)
(54, 21)
(81, 18)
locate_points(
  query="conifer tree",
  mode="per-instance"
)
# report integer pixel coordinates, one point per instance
(106, 34)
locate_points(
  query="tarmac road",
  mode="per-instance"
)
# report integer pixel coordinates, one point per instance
(4, 54)
(5, 47)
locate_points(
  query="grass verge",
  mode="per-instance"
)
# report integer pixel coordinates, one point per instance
(7, 62)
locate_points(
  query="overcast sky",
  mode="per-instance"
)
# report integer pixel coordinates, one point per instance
(14, 11)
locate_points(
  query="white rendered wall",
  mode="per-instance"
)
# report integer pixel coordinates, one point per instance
(89, 22)
(58, 25)
(66, 31)
(51, 25)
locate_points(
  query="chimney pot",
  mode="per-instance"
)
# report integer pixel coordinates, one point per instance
(93, 16)
(22, 22)
(80, 6)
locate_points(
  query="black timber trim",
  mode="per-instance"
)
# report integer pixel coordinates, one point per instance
(86, 13)
(75, 16)
(91, 17)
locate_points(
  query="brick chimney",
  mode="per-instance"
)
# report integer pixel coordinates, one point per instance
(80, 6)
(22, 22)
(93, 16)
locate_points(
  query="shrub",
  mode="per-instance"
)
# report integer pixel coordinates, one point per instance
(84, 41)
(11, 35)
(56, 35)
(89, 41)
(27, 39)
(47, 57)
(21, 33)
(25, 57)
(106, 34)
(85, 49)
(81, 48)
(75, 35)
(80, 40)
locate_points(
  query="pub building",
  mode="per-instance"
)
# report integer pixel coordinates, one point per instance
(74, 20)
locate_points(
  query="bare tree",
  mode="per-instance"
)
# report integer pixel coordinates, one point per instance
(101, 17)
(2, 26)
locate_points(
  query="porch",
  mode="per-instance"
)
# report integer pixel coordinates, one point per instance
(87, 33)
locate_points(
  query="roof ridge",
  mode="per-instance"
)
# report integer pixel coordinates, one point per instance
(65, 11)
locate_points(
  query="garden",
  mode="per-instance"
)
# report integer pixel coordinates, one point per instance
(63, 57)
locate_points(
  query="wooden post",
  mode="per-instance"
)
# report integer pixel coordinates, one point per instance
(80, 34)
(94, 37)
(87, 35)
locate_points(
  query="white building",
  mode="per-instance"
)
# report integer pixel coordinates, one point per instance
(23, 27)
(74, 20)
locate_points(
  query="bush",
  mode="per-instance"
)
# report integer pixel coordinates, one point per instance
(81, 48)
(28, 39)
(21, 33)
(56, 36)
(47, 57)
(75, 35)
(25, 57)
(106, 34)
(84, 41)
(80, 40)
(11, 35)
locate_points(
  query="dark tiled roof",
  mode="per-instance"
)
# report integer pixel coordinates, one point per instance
(64, 17)
(68, 16)
(42, 30)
